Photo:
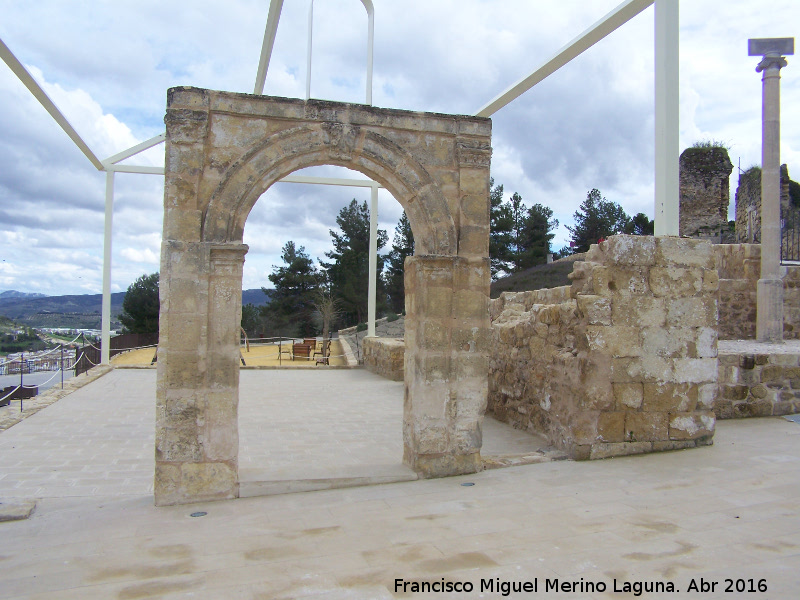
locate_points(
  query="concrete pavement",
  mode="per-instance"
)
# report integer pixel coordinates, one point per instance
(728, 511)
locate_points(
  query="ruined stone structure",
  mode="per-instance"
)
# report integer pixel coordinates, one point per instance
(223, 150)
(739, 268)
(623, 361)
(704, 192)
(748, 203)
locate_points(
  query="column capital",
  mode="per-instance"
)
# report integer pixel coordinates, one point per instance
(771, 62)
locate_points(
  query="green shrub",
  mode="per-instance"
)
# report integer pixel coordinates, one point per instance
(392, 317)
(361, 327)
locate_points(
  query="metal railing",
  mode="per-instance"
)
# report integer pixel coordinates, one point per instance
(790, 237)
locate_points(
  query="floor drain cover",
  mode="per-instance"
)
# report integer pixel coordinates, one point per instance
(198, 514)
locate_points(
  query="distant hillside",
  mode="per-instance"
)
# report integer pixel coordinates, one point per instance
(78, 311)
(255, 296)
(16, 294)
(536, 278)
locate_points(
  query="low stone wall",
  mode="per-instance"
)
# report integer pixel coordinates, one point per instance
(383, 328)
(623, 361)
(739, 267)
(385, 357)
(758, 382)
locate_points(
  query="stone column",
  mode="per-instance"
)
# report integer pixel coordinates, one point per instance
(769, 318)
(197, 440)
(446, 366)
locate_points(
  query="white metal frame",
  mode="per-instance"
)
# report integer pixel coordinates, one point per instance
(370, 42)
(666, 117)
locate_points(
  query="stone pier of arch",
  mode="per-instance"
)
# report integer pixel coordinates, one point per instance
(223, 150)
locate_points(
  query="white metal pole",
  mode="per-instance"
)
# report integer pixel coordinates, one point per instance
(373, 261)
(105, 333)
(370, 44)
(666, 117)
(308, 62)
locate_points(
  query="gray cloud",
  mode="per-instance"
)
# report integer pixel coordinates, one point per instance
(589, 125)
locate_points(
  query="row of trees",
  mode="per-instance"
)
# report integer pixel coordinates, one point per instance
(306, 298)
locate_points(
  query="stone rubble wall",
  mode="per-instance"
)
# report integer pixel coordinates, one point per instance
(739, 267)
(385, 357)
(758, 385)
(626, 364)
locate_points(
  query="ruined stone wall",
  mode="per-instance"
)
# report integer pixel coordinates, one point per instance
(627, 364)
(385, 357)
(704, 192)
(739, 267)
(758, 385)
(748, 203)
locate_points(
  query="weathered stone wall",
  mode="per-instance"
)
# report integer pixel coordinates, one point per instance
(758, 385)
(704, 192)
(748, 203)
(627, 364)
(739, 267)
(385, 357)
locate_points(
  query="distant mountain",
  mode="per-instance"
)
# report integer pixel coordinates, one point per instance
(16, 294)
(256, 297)
(78, 311)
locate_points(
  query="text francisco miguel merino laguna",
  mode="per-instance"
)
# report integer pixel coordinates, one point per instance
(554, 585)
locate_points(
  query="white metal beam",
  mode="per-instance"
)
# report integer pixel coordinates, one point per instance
(370, 43)
(613, 20)
(667, 218)
(274, 15)
(310, 44)
(135, 169)
(331, 181)
(22, 73)
(105, 317)
(373, 262)
(133, 150)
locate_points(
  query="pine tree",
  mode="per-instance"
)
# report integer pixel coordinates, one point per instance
(596, 219)
(640, 224)
(291, 307)
(536, 237)
(348, 272)
(402, 246)
(500, 227)
(140, 306)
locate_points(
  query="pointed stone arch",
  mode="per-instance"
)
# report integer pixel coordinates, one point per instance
(223, 151)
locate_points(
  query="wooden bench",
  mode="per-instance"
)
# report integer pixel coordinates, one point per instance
(301, 350)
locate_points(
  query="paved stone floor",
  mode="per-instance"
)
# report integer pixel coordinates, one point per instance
(725, 511)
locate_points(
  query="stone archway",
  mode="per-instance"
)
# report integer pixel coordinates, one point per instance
(223, 151)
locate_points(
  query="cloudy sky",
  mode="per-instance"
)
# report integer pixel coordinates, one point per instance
(107, 65)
